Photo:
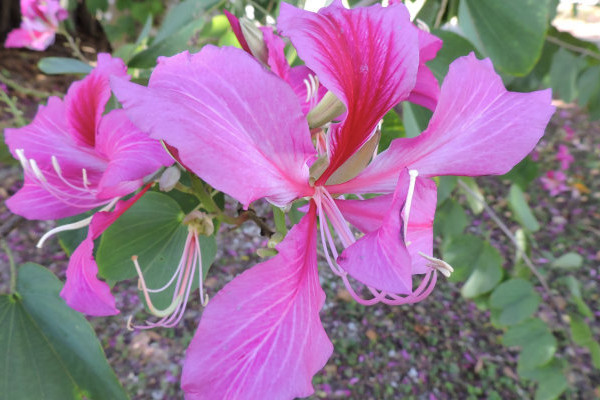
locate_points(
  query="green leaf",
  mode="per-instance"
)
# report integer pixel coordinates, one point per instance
(550, 378)
(415, 119)
(50, 351)
(475, 204)
(462, 252)
(446, 184)
(575, 289)
(152, 229)
(537, 343)
(523, 214)
(523, 173)
(96, 5)
(62, 65)
(450, 219)
(568, 261)
(178, 16)
(454, 46)
(487, 273)
(391, 129)
(563, 74)
(516, 300)
(510, 32)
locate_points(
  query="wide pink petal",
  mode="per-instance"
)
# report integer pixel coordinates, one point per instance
(18, 37)
(234, 124)
(132, 155)
(276, 54)
(261, 336)
(427, 89)
(478, 128)
(83, 291)
(86, 99)
(368, 57)
(366, 215)
(380, 258)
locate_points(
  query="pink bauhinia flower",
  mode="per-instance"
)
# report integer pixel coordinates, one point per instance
(564, 156)
(242, 129)
(39, 23)
(76, 159)
(554, 182)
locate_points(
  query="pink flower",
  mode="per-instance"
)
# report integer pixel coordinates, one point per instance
(39, 23)
(569, 132)
(554, 182)
(75, 159)
(564, 156)
(242, 129)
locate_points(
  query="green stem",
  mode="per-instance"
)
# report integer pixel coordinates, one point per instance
(182, 188)
(576, 49)
(76, 52)
(13, 267)
(12, 106)
(22, 89)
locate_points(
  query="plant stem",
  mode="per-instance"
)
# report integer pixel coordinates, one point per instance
(508, 234)
(576, 49)
(22, 89)
(12, 106)
(440, 14)
(76, 52)
(11, 263)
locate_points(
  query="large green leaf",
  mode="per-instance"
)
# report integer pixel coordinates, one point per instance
(582, 335)
(563, 74)
(180, 15)
(515, 300)
(487, 273)
(450, 219)
(510, 32)
(49, 351)
(523, 214)
(151, 229)
(550, 378)
(63, 65)
(568, 261)
(415, 119)
(536, 341)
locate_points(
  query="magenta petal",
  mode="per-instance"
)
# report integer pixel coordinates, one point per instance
(380, 258)
(369, 79)
(132, 155)
(236, 125)
(86, 99)
(478, 128)
(18, 37)
(261, 336)
(237, 30)
(427, 89)
(83, 291)
(419, 232)
(366, 215)
(276, 55)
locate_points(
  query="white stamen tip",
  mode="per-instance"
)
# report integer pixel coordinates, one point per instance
(56, 165)
(413, 173)
(205, 301)
(37, 171)
(439, 265)
(308, 90)
(22, 159)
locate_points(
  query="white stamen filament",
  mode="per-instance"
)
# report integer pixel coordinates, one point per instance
(86, 183)
(36, 171)
(411, 191)
(74, 225)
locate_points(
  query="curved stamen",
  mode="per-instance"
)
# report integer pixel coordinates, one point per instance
(409, 196)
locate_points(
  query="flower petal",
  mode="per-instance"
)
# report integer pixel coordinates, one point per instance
(380, 258)
(478, 128)
(368, 57)
(261, 336)
(419, 232)
(234, 22)
(427, 89)
(83, 291)
(234, 124)
(86, 99)
(132, 155)
(276, 55)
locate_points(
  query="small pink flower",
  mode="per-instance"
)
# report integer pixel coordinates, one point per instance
(39, 23)
(554, 182)
(564, 156)
(569, 132)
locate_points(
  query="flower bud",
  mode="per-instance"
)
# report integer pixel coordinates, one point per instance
(329, 108)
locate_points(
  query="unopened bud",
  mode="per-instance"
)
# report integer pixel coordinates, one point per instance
(317, 168)
(357, 162)
(329, 108)
(255, 40)
(169, 178)
(275, 239)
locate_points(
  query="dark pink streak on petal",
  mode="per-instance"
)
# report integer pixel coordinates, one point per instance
(86, 99)
(132, 155)
(380, 258)
(478, 128)
(261, 336)
(237, 30)
(368, 57)
(236, 125)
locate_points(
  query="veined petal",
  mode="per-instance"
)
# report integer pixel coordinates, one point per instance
(419, 232)
(132, 155)
(368, 57)
(380, 258)
(261, 336)
(478, 128)
(366, 215)
(86, 99)
(234, 124)
(83, 291)
(427, 89)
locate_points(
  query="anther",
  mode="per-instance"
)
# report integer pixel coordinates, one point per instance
(86, 183)
(56, 165)
(439, 265)
(22, 159)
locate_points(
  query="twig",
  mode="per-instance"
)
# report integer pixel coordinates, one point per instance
(440, 14)
(22, 89)
(577, 49)
(14, 110)
(510, 236)
(12, 222)
(74, 47)
(11, 263)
